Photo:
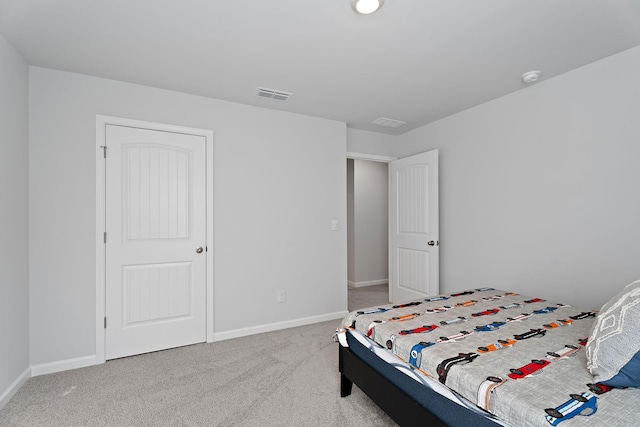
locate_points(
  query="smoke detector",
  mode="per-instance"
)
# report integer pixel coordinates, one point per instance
(530, 76)
(278, 95)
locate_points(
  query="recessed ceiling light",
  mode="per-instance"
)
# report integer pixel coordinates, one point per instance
(530, 76)
(366, 7)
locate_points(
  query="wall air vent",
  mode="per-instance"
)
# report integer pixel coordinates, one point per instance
(278, 95)
(390, 123)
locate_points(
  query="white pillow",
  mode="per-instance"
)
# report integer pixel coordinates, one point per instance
(615, 337)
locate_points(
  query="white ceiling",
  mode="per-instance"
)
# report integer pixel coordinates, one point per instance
(413, 60)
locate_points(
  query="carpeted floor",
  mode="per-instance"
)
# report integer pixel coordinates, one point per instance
(368, 296)
(282, 378)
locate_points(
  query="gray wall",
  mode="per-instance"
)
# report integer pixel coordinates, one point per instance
(540, 190)
(365, 142)
(368, 238)
(14, 213)
(279, 181)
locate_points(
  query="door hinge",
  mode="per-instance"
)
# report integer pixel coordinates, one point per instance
(105, 237)
(105, 323)
(104, 151)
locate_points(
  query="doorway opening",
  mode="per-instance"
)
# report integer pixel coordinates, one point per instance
(367, 231)
(413, 246)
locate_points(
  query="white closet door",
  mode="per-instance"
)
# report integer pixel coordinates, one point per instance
(156, 234)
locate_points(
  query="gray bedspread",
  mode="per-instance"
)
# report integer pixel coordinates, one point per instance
(519, 357)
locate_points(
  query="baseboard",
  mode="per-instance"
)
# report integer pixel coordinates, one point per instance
(43, 369)
(237, 333)
(369, 283)
(14, 387)
(62, 365)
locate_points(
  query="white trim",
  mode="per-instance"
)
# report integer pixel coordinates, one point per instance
(370, 157)
(14, 387)
(210, 191)
(63, 365)
(269, 327)
(369, 283)
(101, 123)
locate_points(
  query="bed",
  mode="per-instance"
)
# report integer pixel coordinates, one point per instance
(487, 357)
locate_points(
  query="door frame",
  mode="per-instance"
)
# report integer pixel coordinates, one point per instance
(370, 157)
(101, 123)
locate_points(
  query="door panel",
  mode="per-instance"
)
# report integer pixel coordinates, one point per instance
(155, 220)
(414, 245)
(152, 293)
(156, 199)
(413, 195)
(413, 270)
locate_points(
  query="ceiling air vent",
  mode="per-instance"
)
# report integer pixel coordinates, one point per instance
(390, 123)
(278, 95)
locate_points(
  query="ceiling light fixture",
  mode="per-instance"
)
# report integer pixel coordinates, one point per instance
(365, 7)
(530, 76)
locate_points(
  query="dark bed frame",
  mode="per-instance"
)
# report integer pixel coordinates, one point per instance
(384, 393)
(403, 399)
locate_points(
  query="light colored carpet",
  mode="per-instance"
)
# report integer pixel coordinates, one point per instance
(282, 378)
(368, 296)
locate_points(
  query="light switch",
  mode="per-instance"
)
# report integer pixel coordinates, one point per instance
(334, 224)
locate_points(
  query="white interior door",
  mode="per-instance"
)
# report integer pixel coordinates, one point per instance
(156, 224)
(413, 220)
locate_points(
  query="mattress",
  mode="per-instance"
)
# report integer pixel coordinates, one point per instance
(520, 358)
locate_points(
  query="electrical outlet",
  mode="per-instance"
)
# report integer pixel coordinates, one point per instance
(282, 296)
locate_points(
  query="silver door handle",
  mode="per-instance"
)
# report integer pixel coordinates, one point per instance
(199, 250)
(433, 243)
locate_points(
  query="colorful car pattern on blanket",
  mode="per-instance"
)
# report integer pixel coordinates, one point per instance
(489, 327)
(420, 330)
(496, 346)
(406, 329)
(415, 357)
(533, 368)
(584, 404)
